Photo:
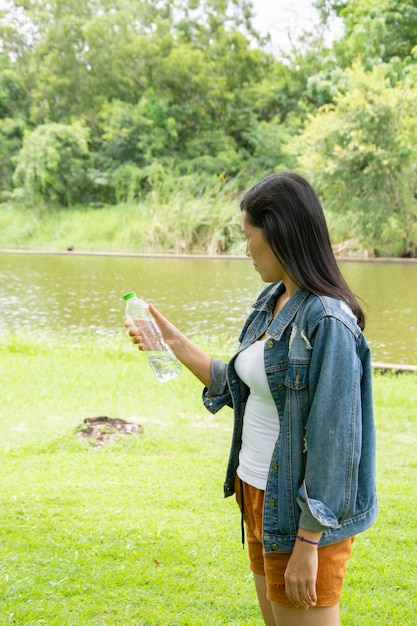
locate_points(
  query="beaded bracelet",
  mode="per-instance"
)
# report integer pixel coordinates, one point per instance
(300, 538)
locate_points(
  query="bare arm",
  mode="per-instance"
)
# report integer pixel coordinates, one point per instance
(194, 359)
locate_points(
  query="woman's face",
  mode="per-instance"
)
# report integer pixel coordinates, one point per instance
(264, 260)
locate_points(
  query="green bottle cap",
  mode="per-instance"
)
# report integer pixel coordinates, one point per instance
(131, 294)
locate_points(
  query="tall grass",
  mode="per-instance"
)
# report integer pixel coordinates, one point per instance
(182, 215)
(186, 219)
(137, 532)
(182, 226)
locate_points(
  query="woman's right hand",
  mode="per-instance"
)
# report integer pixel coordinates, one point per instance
(168, 330)
(197, 361)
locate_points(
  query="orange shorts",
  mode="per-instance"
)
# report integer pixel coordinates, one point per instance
(331, 559)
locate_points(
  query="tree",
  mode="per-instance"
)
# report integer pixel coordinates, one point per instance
(376, 31)
(361, 153)
(14, 105)
(52, 164)
(83, 53)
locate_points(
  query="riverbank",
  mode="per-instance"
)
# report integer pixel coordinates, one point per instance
(158, 255)
(176, 225)
(397, 368)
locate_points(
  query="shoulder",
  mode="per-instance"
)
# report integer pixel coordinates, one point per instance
(317, 308)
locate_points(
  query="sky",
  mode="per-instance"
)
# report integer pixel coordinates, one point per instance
(285, 20)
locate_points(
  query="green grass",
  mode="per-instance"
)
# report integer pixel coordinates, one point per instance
(138, 532)
(180, 224)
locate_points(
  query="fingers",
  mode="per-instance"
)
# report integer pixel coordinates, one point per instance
(160, 319)
(311, 595)
(136, 336)
(301, 595)
(140, 329)
(297, 596)
(153, 310)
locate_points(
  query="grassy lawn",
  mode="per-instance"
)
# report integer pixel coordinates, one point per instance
(137, 532)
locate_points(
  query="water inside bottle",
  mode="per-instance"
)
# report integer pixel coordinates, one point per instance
(164, 366)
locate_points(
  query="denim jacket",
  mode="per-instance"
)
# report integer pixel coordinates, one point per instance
(318, 366)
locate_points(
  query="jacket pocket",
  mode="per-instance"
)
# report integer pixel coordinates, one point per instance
(297, 376)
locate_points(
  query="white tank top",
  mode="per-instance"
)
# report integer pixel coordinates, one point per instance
(260, 420)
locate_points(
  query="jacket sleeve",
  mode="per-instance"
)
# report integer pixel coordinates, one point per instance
(217, 394)
(333, 429)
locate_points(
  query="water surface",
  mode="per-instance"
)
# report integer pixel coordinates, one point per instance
(209, 298)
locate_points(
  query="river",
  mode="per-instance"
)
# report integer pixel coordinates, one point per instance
(207, 298)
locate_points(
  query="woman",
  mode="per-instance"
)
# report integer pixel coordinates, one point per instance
(302, 460)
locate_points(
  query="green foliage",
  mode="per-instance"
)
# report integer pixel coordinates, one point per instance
(87, 53)
(11, 137)
(377, 30)
(120, 100)
(52, 163)
(14, 109)
(361, 153)
(326, 85)
(133, 138)
(268, 143)
(14, 97)
(157, 94)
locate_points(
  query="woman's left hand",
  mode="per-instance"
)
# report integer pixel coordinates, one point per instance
(301, 575)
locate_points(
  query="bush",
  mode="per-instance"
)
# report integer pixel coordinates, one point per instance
(52, 164)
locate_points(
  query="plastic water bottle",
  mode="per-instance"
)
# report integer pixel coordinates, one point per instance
(160, 356)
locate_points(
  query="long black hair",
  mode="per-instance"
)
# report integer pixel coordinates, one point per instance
(287, 209)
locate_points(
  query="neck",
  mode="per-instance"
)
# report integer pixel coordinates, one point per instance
(290, 289)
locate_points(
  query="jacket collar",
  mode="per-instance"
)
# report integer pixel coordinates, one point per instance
(267, 302)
